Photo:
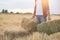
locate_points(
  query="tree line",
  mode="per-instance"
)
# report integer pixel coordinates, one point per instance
(6, 11)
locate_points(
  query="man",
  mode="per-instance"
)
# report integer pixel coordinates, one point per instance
(41, 11)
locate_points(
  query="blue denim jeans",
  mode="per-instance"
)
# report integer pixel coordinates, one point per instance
(40, 19)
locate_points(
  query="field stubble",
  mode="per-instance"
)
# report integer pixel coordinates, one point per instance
(12, 22)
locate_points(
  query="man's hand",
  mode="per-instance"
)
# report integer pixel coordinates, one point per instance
(33, 17)
(49, 18)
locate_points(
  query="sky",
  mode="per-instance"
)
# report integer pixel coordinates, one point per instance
(17, 5)
(54, 6)
(27, 5)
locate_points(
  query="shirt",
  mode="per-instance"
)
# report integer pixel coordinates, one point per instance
(39, 10)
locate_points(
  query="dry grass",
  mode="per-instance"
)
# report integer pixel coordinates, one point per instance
(29, 24)
(53, 17)
(12, 22)
(38, 36)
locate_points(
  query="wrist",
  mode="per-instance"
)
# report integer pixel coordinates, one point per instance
(34, 16)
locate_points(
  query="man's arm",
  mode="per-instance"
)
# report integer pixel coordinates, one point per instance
(48, 15)
(34, 14)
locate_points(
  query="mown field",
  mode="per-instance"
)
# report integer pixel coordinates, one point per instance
(12, 22)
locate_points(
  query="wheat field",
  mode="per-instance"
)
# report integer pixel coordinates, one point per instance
(12, 22)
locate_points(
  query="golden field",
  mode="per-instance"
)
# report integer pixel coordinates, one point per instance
(12, 22)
